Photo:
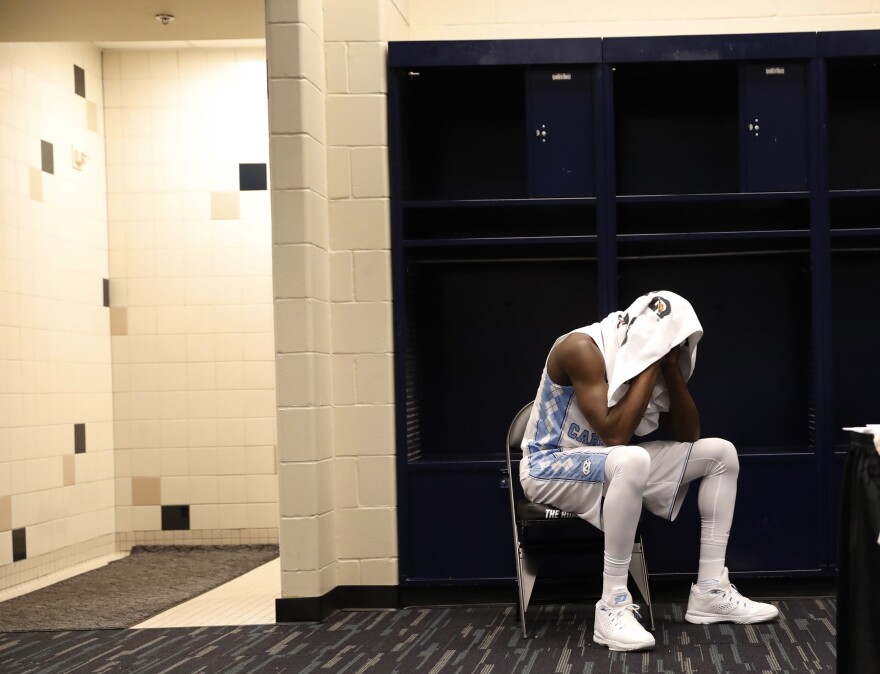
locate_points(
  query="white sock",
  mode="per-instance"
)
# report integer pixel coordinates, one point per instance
(614, 576)
(707, 584)
(617, 595)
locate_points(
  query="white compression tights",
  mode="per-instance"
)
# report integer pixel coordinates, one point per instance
(712, 460)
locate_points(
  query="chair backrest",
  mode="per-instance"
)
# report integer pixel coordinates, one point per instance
(512, 447)
(518, 428)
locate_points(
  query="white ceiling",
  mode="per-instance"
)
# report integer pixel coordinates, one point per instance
(116, 23)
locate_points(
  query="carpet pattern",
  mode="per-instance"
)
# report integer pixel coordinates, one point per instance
(459, 640)
(125, 592)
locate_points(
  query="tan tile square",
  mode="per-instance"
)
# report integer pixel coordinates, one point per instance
(119, 321)
(69, 470)
(5, 513)
(145, 491)
(224, 206)
(36, 183)
(92, 116)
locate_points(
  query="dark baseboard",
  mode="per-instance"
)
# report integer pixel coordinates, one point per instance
(317, 609)
(447, 595)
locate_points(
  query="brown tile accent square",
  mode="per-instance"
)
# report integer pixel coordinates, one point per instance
(224, 206)
(175, 517)
(5, 513)
(79, 81)
(47, 156)
(119, 321)
(145, 491)
(19, 544)
(36, 183)
(69, 470)
(79, 438)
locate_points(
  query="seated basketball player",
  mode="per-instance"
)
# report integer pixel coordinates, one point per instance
(603, 384)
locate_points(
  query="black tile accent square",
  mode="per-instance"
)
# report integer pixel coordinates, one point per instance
(47, 155)
(252, 177)
(175, 517)
(79, 438)
(19, 545)
(79, 81)
(106, 286)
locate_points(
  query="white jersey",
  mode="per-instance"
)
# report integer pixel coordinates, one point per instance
(556, 422)
(563, 462)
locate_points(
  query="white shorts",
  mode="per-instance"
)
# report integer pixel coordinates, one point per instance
(573, 480)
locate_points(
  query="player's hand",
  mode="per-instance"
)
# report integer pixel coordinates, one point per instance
(670, 360)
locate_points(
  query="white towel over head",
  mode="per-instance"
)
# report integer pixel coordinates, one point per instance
(641, 335)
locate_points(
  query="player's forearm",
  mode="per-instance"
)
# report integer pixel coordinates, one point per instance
(624, 417)
(684, 419)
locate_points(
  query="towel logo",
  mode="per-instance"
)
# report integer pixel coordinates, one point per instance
(660, 306)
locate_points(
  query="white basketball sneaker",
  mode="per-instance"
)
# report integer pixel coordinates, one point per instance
(725, 604)
(617, 627)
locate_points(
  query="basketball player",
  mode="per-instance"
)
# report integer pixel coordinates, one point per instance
(579, 455)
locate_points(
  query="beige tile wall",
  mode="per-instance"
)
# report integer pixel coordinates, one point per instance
(510, 19)
(191, 294)
(54, 330)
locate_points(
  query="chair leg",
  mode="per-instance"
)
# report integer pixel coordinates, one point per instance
(527, 573)
(639, 572)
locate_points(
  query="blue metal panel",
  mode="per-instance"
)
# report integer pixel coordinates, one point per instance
(773, 104)
(493, 52)
(848, 43)
(708, 47)
(460, 524)
(560, 131)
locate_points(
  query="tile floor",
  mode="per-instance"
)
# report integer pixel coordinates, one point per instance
(246, 600)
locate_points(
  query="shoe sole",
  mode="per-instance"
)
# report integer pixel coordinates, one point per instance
(618, 646)
(709, 618)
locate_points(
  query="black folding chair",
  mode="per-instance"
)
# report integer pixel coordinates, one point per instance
(526, 516)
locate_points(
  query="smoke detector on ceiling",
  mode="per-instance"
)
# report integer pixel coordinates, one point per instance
(164, 19)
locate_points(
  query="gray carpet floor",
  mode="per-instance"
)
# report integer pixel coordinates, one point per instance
(439, 640)
(123, 593)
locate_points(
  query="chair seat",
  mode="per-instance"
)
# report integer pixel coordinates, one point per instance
(527, 511)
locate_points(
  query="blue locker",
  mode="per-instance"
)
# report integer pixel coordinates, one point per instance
(559, 129)
(773, 109)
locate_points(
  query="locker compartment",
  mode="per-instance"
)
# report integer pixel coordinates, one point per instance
(676, 127)
(855, 287)
(560, 137)
(477, 334)
(711, 126)
(463, 133)
(765, 515)
(853, 131)
(752, 382)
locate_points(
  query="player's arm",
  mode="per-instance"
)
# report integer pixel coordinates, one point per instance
(577, 361)
(683, 419)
